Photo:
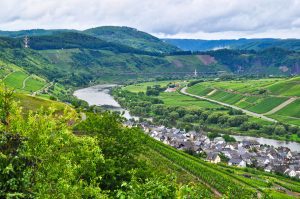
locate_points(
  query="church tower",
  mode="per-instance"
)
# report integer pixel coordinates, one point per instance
(195, 73)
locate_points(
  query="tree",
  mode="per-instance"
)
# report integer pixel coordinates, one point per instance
(279, 130)
(174, 115)
(213, 135)
(237, 120)
(6, 99)
(228, 138)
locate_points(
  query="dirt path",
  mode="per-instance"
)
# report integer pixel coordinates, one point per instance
(281, 106)
(24, 82)
(288, 192)
(47, 86)
(8, 75)
(212, 92)
(183, 91)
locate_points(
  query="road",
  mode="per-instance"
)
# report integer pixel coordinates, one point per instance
(24, 81)
(183, 91)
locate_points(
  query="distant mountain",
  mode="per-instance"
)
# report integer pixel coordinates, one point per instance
(242, 44)
(71, 40)
(77, 58)
(131, 37)
(120, 35)
(33, 32)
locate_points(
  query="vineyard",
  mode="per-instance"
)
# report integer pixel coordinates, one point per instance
(229, 181)
(259, 96)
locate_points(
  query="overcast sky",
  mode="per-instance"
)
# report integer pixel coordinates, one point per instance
(203, 19)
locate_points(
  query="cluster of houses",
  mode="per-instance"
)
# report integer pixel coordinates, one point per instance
(241, 154)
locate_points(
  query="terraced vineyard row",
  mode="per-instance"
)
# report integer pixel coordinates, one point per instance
(259, 96)
(225, 184)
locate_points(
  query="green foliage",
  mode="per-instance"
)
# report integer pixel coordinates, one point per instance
(228, 138)
(132, 38)
(15, 167)
(155, 90)
(120, 147)
(152, 188)
(213, 135)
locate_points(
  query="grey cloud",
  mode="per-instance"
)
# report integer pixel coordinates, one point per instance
(164, 17)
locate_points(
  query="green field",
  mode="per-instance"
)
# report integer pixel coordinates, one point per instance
(177, 99)
(289, 87)
(266, 104)
(15, 79)
(23, 82)
(135, 88)
(34, 83)
(173, 98)
(259, 96)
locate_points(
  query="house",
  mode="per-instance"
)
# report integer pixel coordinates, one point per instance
(250, 144)
(169, 90)
(268, 168)
(213, 158)
(237, 162)
(290, 172)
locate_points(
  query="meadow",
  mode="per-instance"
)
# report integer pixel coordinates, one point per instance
(173, 98)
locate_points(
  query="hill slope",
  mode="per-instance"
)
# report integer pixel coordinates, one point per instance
(242, 44)
(259, 96)
(131, 37)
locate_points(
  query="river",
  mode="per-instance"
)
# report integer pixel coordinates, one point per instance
(99, 95)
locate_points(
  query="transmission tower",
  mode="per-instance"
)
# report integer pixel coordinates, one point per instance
(26, 42)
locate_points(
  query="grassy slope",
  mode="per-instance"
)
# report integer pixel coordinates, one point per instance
(239, 93)
(34, 103)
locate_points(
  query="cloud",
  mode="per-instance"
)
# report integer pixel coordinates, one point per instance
(172, 18)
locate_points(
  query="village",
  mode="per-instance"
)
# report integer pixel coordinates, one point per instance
(247, 153)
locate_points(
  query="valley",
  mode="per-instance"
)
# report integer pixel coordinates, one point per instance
(95, 106)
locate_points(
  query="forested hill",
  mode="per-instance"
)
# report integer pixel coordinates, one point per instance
(131, 37)
(242, 44)
(123, 36)
(76, 58)
(71, 40)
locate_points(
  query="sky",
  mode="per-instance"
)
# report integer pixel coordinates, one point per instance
(198, 19)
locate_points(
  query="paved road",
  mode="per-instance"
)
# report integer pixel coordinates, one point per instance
(183, 91)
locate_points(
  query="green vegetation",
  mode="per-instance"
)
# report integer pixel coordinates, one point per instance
(34, 83)
(131, 37)
(175, 109)
(177, 99)
(259, 96)
(15, 79)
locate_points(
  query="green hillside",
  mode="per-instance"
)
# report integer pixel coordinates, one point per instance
(131, 37)
(120, 35)
(259, 96)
